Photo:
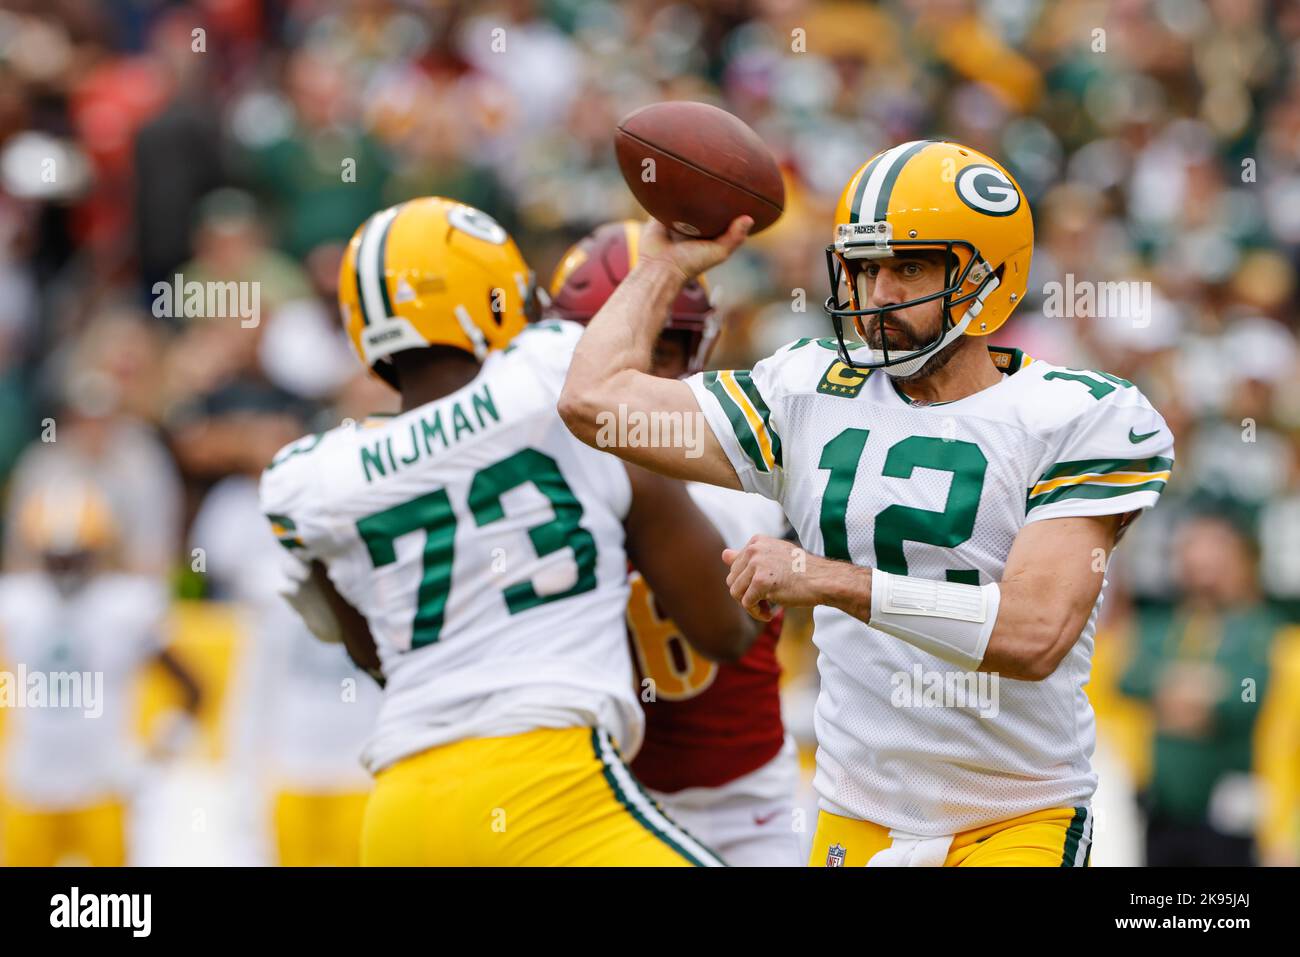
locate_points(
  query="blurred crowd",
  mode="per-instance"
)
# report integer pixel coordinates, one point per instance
(244, 140)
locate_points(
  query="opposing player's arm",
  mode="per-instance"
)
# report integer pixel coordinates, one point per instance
(609, 378)
(677, 550)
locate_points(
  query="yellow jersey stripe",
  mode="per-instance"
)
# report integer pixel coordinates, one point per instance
(1097, 478)
(728, 380)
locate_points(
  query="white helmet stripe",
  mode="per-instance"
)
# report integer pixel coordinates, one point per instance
(871, 194)
(370, 270)
(472, 332)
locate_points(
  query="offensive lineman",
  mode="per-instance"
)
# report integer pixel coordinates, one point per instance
(472, 550)
(715, 753)
(958, 504)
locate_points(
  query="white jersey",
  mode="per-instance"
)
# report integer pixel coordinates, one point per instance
(305, 707)
(738, 516)
(938, 491)
(483, 543)
(70, 664)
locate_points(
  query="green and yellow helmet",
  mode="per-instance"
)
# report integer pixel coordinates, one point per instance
(928, 194)
(432, 272)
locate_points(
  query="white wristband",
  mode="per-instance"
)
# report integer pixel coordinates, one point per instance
(948, 620)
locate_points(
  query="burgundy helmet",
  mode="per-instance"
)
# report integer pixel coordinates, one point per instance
(595, 265)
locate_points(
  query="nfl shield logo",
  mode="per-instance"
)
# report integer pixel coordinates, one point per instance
(835, 856)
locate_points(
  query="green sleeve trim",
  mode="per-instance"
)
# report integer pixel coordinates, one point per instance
(736, 417)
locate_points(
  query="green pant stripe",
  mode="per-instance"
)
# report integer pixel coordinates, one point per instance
(645, 794)
(1073, 835)
(621, 796)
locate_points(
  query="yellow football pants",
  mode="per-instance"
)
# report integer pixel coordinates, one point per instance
(1060, 837)
(551, 797)
(319, 830)
(94, 836)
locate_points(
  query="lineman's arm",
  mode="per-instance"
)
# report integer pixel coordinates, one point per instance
(330, 617)
(675, 548)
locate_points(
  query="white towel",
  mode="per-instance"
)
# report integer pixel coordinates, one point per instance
(912, 850)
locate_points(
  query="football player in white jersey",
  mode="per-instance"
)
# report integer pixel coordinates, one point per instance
(958, 504)
(472, 551)
(716, 753)
(307, 711)
(74, 635)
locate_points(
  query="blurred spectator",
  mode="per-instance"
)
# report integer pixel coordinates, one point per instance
(1203, 667)
(97, 437)
(178, 156)
(320, 172)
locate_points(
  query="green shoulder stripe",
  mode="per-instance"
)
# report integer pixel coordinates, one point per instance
(745, 379)
(748, 443)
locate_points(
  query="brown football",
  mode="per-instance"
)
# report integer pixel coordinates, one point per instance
(695, 168)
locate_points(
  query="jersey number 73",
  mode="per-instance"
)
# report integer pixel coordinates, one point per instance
(432, 512)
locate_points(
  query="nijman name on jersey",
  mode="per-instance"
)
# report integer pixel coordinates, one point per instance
(432, 432)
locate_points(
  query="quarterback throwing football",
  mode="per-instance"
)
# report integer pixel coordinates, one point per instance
(957, 504)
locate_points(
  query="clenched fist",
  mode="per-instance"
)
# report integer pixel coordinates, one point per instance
(771, 571)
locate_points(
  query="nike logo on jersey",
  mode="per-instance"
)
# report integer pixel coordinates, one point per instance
(1135, 438)
(761, 819)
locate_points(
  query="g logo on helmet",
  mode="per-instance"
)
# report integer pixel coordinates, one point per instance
(477, 223)
(986, 189)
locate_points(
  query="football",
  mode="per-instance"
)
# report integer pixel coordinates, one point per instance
(695, 168)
